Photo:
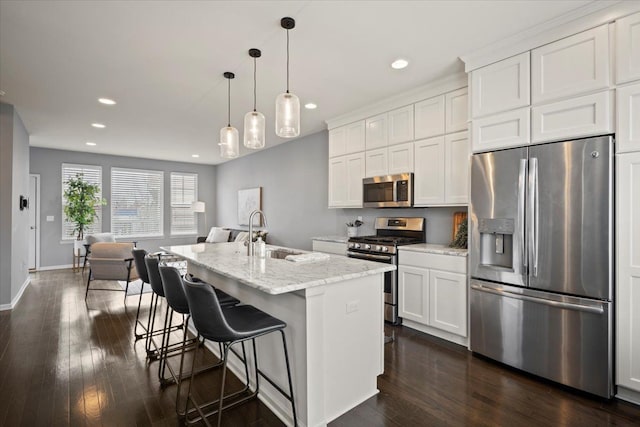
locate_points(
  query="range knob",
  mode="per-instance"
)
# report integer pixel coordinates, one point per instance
(356, 245)
(367, 246)
(350, 245)
(385, 249)
(379, 248)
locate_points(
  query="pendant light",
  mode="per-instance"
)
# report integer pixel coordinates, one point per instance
(229, 148)
(254, 120)
(287, 104)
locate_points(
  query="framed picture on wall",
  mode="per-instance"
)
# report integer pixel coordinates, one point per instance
(249, 200)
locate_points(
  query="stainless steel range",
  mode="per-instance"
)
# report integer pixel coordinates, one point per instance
(382, 247)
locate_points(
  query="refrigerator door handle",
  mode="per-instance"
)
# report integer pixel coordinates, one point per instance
(533, 215)
(558, 304)
(522, 182)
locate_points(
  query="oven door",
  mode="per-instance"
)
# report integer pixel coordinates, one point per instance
(390, 283)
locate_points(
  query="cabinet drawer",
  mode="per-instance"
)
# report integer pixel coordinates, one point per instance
(581, 116)
(454, 264)
(510, 129)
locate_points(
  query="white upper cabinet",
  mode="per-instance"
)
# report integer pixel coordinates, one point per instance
(503, 130)
(628, 48)
(346, 139)
(456, 168)
(400, 158)
(337, 180)
(429, 171)
(401, 125)
(376, 162)
(575, 117)
(628, 125)
(457, 110)
(501, 86)
(345, 181)
(376, 132)
(429, 117)
(571, 66)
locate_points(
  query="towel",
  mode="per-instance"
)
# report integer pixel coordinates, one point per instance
(308, 257)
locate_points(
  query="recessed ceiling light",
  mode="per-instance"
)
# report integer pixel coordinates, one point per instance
(98, 125)
(91, 143)
(399, 64)
(310, 106)
(106, 101)
(195, 155)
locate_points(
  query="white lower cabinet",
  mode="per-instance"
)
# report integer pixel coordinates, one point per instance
(628, 277)
(345, 181)
(432, 294)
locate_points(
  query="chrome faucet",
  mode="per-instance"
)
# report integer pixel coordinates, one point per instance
(250, 247)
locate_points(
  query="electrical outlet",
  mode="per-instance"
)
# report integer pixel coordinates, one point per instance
(353, 306)
(49, 218)
(359, 218)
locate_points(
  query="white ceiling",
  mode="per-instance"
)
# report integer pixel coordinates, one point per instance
(163, 63)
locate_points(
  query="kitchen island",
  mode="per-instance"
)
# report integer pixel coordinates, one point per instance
(334, 313)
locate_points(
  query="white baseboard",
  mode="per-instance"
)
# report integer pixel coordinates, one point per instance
(15, 300)
(55, 267)
(456, 339)
(628, 395)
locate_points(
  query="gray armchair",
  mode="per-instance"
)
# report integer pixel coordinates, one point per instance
(111, 261)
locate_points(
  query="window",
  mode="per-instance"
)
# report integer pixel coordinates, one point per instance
(136, 202)
(91, 174)
(184, 191)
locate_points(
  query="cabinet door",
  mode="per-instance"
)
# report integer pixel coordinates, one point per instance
(628, 126)
(376, 132)
(401, 158)
(456, 182)
(337, 181)
(448, 301)
(413, 294)
(501, 86)
(401, 125)
(376, 162)
(510, 129)
(429, 117)
(628, 280)
(457, 109)
(628, 48)
(428, 183)
(571, 66)
(580, 116)
(338, 141)
(354, 137)
(355, 174)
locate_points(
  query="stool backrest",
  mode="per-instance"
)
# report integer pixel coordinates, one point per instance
(152, 261)
(206, 313)
(174, 289)
(138, 259)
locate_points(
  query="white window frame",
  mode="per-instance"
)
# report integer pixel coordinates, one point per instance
(186, 206)
(66, 226)
(115, 203)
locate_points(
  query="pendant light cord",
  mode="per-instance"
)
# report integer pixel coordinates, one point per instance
(287, 61)
(254, 84)
(229, 103)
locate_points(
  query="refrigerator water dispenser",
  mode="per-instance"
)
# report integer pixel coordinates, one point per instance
(496, 242)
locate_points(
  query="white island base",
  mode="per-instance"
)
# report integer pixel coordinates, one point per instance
(335, 340)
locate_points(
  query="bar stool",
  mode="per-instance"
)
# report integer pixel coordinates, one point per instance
(141, 267)
(229, 326)
(177, 300)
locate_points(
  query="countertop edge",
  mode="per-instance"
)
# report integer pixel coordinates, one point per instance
(437, 249)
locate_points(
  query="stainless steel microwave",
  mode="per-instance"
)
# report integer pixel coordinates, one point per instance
(388, 191)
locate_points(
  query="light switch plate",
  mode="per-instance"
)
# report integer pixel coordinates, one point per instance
(49, 218)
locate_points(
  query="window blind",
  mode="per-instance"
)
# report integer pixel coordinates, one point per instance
(92, 175)
(184, 191)
(136, 202)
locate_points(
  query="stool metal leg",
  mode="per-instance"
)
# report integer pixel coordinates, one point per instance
(286, 358)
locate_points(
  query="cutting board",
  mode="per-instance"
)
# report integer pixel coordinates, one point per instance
(458, 218)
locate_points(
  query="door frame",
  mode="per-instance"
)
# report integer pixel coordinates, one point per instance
(37, 215)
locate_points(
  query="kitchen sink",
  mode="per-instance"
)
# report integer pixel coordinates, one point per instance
(281, 253)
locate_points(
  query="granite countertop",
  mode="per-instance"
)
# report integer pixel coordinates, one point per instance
(271, 275)
(431, 248)
(336, 239)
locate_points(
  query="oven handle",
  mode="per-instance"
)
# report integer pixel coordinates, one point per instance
(387, 258)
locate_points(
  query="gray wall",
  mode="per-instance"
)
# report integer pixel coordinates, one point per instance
(294, 178)
(14, 223)
(48, 163)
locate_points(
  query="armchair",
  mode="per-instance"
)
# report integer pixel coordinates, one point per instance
(111, 261)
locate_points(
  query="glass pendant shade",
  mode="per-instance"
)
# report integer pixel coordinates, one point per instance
(254, 130)
(287, 115)
(229, 147)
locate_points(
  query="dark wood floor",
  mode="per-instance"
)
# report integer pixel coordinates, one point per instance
(69, 364)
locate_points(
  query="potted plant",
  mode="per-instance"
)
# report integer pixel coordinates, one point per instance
(352, 227)
(81, 199)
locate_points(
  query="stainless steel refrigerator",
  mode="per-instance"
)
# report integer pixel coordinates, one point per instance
(541, 260)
